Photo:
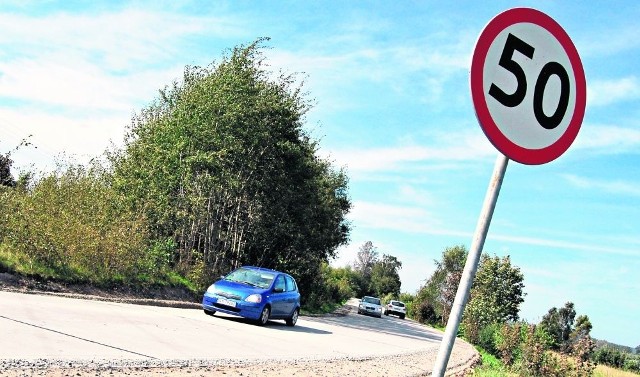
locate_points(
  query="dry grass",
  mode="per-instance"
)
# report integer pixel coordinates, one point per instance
(605, 371)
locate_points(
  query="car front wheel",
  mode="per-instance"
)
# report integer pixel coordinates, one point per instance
(294, 318)
(209, 312)
(264, 316)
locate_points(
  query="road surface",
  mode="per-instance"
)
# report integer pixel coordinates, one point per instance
(76, 333)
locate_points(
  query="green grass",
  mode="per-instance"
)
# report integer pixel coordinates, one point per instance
(490, 366)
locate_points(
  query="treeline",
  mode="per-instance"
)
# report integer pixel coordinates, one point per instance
(618, 357)
(215, 173)
(368, 275)
(560, 345)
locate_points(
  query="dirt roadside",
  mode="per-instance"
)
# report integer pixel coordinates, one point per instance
(463, 358)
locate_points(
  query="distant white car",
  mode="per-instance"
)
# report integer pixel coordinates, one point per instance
(396, 308)
(370, 305)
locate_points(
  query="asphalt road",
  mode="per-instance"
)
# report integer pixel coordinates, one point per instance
(49, 327)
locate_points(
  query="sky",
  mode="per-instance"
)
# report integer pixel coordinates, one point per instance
(392, 105)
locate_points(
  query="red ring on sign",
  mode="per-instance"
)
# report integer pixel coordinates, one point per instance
(493, 132)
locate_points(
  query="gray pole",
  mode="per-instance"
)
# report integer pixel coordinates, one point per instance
(471, 266)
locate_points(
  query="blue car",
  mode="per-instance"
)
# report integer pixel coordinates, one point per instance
(256, 293)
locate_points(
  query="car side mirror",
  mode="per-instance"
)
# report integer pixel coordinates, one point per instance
(278, 290)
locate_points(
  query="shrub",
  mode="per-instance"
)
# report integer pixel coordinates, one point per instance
(425, 312)
(508, 342)
(487, 337)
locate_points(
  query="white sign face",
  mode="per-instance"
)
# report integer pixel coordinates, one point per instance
(528, 86)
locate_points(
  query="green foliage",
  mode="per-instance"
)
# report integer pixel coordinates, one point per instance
(567, 331)
(376, 277)
(495, 297)
(334, 286)
(490, 366)
(610, 356)
(424, 312)
(366, 258)
(384, 276)
(230, 174)
(68, 226)
(439, 291)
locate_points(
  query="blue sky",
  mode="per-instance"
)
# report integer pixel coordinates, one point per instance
(390, 81)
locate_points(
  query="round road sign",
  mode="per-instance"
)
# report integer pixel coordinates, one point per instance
(528, 86)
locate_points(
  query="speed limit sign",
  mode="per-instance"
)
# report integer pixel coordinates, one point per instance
(528, 86)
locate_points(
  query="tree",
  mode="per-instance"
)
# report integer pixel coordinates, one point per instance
(6, 179)
(365, 260)
(582, 328)
(495, 297)
(559, 324)
(440, 289)
(384, 276)
(220, 164)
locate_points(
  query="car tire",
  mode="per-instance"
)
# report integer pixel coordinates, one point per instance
(264, 316)
(293, 319)
(209, 312)
(401, 316)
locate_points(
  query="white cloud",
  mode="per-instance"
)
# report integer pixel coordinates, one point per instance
(603, 93)
(74, 80)
(456, 147)
(608, 139)
(617, 187)
(78, 85)
(116, 38)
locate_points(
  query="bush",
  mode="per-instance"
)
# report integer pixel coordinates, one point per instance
(425, 312)
(487, 338)
(508, 342)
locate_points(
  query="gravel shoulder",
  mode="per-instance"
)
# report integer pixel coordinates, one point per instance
(464, 357)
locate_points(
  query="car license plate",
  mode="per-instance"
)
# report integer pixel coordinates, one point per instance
(226, 302)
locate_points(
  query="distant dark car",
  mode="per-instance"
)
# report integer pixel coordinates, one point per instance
(256, 293)
(396, 307)
(370, 305)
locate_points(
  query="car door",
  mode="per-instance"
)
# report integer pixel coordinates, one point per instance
(292, 298)
(278, 297)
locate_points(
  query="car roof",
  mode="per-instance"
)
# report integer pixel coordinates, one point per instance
(262, 269)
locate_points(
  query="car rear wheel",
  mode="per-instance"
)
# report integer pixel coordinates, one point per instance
(294, 318)
(401, 316)
(209, 312)
(264, 316)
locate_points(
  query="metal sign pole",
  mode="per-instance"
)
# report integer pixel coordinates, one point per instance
(471, 266)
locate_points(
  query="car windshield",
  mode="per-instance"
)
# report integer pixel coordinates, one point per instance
(254, 278)
(371, 300)
(397, 303)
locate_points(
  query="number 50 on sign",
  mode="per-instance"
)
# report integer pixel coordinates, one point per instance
(528, 86)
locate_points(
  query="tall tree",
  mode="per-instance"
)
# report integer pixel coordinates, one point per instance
(440, 289)
(496, 295)
(6, 179)
(365, 260)
(559, 324)
(384, 276)
(220, 163)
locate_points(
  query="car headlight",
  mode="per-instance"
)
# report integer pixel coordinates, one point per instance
(255, 298)
(211, 289)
